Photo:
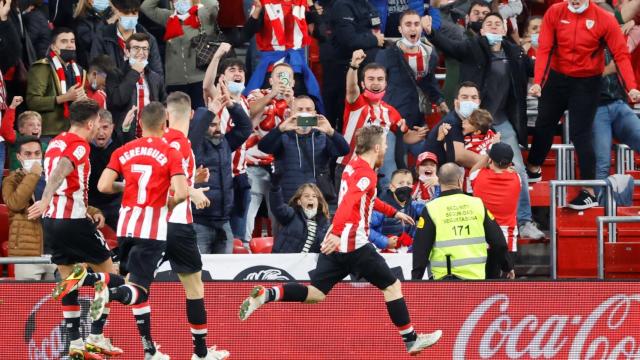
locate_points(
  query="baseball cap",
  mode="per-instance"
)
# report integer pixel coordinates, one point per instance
(501, 154)
(427, 156)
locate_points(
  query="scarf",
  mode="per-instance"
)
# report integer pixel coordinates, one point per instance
(3, 94)
(141, 104)
(174, 26)
(62, 77)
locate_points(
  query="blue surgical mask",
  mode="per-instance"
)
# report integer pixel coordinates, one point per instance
(493, 38)
(133, 61)
(579, 10)
(235, 88)
(466, 108)
(534, 40)
(182, 6)
(100, 5)
(129, 22)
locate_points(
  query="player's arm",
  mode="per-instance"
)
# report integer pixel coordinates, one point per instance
(390, 211)
(61, 171)
(180, 190)
(107, 182)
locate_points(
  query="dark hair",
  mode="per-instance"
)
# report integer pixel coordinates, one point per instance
(154, 115)
(467, 84)
(373, 66)
(82, 111)
(102, 63)
(407, 13)
(139, 36)
(59, 30)
(26, 140)
(481, 119)
(323, 207)
(230, 62)
(495, 14)
(368, 137)
(401, 172)
(126, 6)
(478, 3)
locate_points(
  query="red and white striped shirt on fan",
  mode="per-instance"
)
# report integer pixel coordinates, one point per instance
(357, 201)
(182, 214)
(70, 200)
(147, 165)
(360, 114)
(493, 188)
(238, 157)
(284, 25)
(419, 61)
(272, 116)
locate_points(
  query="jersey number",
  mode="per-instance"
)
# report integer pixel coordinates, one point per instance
(145, 174)
(459, 230)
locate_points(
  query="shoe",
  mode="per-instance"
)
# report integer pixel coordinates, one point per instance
(534, 177)
(101, 345)
(529, 230)
(213, 354)
(77, 351)
(72, 282)
(422, 342)
(257, 298)
(583, 201)
(100, 300)
(157, 356)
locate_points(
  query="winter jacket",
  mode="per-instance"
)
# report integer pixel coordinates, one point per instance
(25, 236)
(87, 28)
(293, 234)
(383, 5)
(381, 227)
(351, 24)
(37, 24)
(293, 157)
(10, 46)
(180, 58)
(217, 158)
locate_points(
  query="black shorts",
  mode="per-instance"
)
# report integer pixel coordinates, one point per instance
(74, 241)
(182, 249)
(364, 262)
(140, 258)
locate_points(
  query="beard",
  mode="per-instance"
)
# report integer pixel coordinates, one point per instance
(379, 160)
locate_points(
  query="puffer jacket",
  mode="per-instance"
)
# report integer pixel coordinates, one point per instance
(381, 227)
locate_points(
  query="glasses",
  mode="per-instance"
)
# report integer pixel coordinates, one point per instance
(139, 49)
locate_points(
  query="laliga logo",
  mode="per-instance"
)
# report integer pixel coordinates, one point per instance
(549, 337)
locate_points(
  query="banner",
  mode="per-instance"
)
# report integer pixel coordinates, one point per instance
(480, 320)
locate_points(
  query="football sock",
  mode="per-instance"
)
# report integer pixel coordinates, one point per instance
(399, 315)
(197, 317)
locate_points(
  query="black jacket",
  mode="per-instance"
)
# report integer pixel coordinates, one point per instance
(87, 29)
(10, 46)
(474, 55)
(99, 158)
(38, 26)
(351, 24)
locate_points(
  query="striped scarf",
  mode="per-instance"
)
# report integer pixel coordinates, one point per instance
(62, 77)
(312, 225)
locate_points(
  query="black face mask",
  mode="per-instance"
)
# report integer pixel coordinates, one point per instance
(475, 26)
(67, 55)
(403, 193)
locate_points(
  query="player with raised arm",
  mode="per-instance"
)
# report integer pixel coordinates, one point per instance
(347, 249)
(149, 167)
(69, 226)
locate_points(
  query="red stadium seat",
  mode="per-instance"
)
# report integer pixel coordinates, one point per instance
(238, 248)
(261, 245)
(621, 260)
(5, 251)
(577, 242)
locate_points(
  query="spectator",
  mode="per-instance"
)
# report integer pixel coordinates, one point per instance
(97, 78)
(54, 82)
(7, 134)
(570, 64)
(89, 20)
(213, 151)
(9, 46)
(389, 233)
(113, 38)
(530, 40)
(303, 153)
(304, 220)
(478, 136)
(29, 124)
(190, 18)
(427, 187)
(19, 192)
(492, 178)
(133, 84)
(37, 24)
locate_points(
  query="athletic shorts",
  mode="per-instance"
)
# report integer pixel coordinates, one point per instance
(140, 258)
(182, 249)
(364, 262)
(74, 241)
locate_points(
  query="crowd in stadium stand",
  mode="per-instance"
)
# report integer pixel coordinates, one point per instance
(286, 113)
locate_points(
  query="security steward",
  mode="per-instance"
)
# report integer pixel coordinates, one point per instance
(453, 233)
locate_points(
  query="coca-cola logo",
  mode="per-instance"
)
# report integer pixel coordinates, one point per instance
(606, 333)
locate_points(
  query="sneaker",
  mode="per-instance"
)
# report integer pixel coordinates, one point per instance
(213, 354)
(257, 298)
(100, 300)
(534, 177)
(72, 282)
(157, 356)
(77, 351)
(422, 342)
(529, 230)
(583, 201)
(102, 345)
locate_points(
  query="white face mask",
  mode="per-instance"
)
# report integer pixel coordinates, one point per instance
(406, 42)
(28, 164)
(310, 213)
(579, 10)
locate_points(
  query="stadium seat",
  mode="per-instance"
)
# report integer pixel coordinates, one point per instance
(621, 260)
(577, 242)
(5, 251)
(261, 245)
(238, 248)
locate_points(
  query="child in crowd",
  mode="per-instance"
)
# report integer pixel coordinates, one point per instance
(478, 136)
(426, 188)
(29, 124)
(7, 134)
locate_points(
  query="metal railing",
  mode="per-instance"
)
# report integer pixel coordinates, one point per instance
(600, 220)
(25, 260)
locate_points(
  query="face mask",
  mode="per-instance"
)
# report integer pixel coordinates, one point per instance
(534, 40)
(373, 97)
(403, 193)
(310, 213)
(466, 108)
(100, 5)
(493, 38)
(67, 55)
(28, 164)
(475, 26)
(406, 42)
(129, 22)
(235, 88)
(182, 6)
(94, 85)
(133, 61)
(579, 10)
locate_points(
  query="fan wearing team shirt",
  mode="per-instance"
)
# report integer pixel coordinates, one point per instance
(427, 187)
(366, 108)
(149, 167)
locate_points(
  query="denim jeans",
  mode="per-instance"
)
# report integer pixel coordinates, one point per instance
(508, 136)
(216, 239)
(3, 153)
(260, 182)
(618, 120)
(241, 198)
(389, 165)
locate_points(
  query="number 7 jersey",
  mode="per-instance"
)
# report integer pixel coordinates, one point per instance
(147, 166)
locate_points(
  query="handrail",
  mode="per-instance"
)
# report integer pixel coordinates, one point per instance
(25, 260)
(600, 220)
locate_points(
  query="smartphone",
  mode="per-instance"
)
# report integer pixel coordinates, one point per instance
(307, 120)
(284, 78)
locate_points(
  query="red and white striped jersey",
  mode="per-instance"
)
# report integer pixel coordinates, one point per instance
(491, 187)
(284, 25)
(70, 200)
(357, 201)
(238, 157)
(360, 114)
(147, 165)
(182, 214)
(419, 61)
(272, 116)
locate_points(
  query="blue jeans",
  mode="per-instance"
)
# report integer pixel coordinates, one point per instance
(216, 239)
(389, 165)
(3, 153)
(241, 198)
(509, 137)
(618, 120)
